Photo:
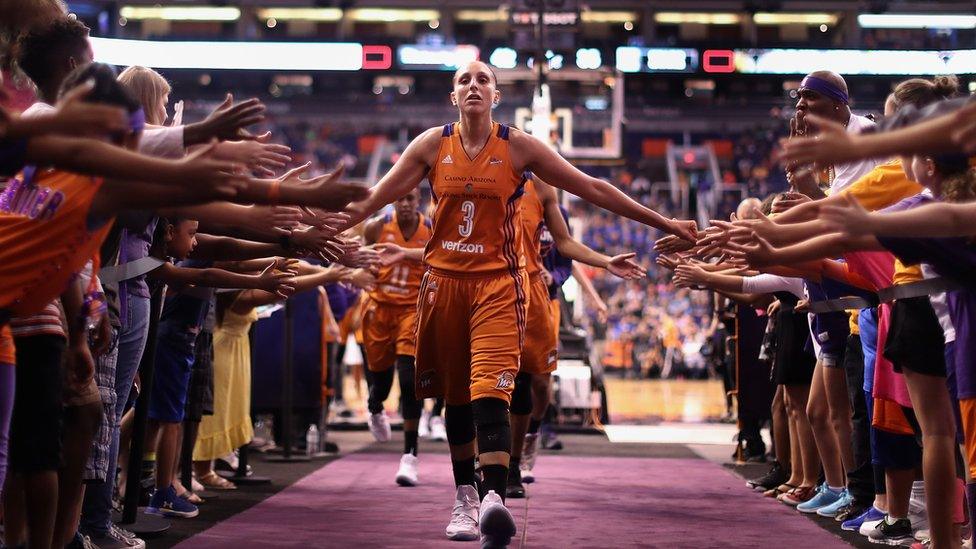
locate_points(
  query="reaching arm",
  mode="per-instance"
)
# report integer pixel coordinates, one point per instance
(825, 246)
(408, 171)
(835, 145)
(929, 220)
(219, 278)
(93, 157)
(224, 248)
(528, 153)
(255, 298)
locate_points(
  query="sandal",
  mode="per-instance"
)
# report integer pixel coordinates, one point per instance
(781, 489)
(216, 482)
(191, 497)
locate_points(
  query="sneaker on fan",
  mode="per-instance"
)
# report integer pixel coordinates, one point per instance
(423, 430)
(495, 521)
(825, 497)
(407, 473)
(897, 533)
(868, 526)
(832, 509)
(917, 515)
(872, 514)
(464, 518)
(379, 425)
(165, 502)
(529, 452)
(437, 430)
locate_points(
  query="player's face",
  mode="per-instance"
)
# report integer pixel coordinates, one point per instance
(474, 88)
(408, 205)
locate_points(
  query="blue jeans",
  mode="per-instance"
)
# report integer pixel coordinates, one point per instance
(96, 512)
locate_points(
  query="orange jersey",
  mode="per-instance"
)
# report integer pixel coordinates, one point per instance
(477, 216)
(45, 236)
(533, 225)
(399, 284)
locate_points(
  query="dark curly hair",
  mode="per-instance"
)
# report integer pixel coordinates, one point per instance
(43, 49)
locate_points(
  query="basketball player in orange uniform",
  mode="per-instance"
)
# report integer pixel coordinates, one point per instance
(471, 309)
(540, 212)
(390, 326)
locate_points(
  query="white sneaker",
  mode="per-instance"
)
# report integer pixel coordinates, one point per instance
(868, 527)
(407, 473)
(529, 452)
(917, 515)
(496, 522)
(464, 519)
(124, 538)
(379, 425)
(437, 430)
(423, 431)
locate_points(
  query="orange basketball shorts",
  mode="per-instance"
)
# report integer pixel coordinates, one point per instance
(469, 335)
(388, 331)
(557, 313)
(8, 353)
(539, 351)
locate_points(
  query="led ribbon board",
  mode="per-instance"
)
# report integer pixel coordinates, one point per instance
(440, 58)
(849, 62)
(279, 56)
(634, 59)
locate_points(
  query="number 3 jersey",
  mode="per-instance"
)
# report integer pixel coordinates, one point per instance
(399, 283)
(477, 216)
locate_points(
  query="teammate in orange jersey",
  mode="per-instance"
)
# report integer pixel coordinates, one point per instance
(471, 310)
(540, 212)
(390, 327)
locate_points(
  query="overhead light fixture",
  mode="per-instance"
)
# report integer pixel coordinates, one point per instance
(481, 16)
(181, 13)
(916, 21)
(300, 14)
(390, 15)
(768, 18)
(594, 16)
(701, 18)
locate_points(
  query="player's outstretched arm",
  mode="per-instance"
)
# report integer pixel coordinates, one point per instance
(528, 153)
(408, 171)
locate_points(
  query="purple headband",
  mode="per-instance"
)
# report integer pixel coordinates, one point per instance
(824, 87)
(137, 120)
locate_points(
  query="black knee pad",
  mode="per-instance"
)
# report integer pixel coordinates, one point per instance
(493, 426)
(409, 405)
(459, 424)
(522, 395)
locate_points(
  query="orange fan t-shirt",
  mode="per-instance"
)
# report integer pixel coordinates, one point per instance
(46, 236)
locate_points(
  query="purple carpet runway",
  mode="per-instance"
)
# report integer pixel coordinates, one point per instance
(578, 502)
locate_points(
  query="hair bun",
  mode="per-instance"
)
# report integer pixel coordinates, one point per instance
(946, 85)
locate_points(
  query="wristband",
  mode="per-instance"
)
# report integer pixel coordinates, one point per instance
(274, 193)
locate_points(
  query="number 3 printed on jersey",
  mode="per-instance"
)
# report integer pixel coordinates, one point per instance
(467, 223)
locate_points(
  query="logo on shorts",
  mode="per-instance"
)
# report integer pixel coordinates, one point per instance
(553, 357)
(505, 381)
(426, 379)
